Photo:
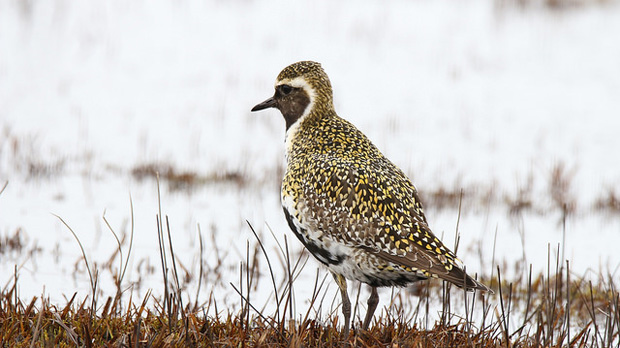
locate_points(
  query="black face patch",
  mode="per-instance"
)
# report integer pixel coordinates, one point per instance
(292, 102)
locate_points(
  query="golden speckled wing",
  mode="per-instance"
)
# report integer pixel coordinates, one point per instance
(353, 195)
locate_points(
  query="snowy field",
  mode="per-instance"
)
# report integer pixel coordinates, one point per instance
(477, 95)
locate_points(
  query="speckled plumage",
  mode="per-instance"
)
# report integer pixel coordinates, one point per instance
(352, 208)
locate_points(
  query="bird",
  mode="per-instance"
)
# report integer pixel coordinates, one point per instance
(354, 210)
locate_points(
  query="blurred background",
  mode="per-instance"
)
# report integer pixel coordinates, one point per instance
(508, 109)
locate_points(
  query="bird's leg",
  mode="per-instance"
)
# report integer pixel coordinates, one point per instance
(346, 304)
(373, 301)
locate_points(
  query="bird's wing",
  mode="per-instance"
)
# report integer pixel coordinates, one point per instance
(375, 206)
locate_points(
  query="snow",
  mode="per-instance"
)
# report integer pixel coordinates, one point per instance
(463, 93)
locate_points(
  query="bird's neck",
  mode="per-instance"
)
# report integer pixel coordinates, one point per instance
(302, 136)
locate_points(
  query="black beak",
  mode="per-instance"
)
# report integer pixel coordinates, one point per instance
(269, 103)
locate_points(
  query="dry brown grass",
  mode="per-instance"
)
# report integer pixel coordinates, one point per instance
(608, 202)
(549, 310)
(554, 309)
(185, 180)
(551, 5)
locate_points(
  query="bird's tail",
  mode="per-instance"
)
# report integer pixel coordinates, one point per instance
(458, 277)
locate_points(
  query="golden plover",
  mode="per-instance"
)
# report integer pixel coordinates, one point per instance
(352, 208)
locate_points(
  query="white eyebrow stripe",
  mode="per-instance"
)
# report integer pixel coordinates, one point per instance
(298, 82)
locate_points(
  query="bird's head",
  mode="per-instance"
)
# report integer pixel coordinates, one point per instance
(300, 88)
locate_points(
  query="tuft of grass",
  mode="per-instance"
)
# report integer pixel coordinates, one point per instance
(17, 243)
(26, 155)
(551, 5)
(14, 243)
(608, 202)
(185, 180)
(560, 189)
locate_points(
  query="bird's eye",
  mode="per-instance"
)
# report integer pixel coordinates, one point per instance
(286, 89)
